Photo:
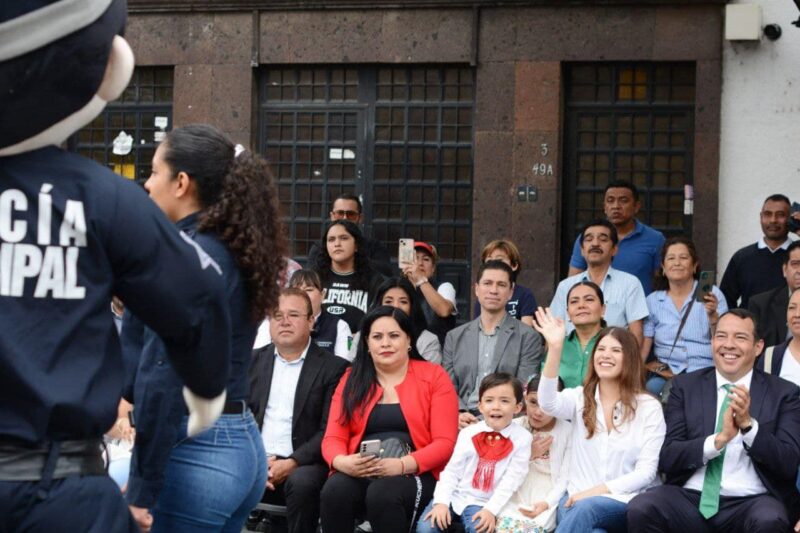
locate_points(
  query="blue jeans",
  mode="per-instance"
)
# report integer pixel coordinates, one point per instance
(424, 526)
(213, 480)
(655, 384)
(596, 514)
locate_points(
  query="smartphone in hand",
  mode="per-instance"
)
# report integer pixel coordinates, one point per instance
(369, 448)
(405, 252)
(704, 284)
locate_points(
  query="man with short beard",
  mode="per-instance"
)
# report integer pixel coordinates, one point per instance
(759, 267)
(639, 249)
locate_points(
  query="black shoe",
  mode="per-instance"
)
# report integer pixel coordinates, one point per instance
(254, 520)
(263, 525)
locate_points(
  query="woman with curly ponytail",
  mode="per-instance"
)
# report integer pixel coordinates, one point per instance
(224, 200)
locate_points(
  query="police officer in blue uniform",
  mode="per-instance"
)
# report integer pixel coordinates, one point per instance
(72, 234)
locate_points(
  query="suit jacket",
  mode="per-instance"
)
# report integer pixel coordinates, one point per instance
(518, 351)
(691, 417)
(318, 379)
(770, 310)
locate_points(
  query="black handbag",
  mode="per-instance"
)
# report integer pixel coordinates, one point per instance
(393, 448)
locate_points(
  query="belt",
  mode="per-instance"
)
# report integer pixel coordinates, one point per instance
(235, 407)
(54, 460)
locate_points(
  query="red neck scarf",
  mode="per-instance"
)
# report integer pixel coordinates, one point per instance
(491, 447)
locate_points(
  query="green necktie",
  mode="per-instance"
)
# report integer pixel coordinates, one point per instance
(709, 498)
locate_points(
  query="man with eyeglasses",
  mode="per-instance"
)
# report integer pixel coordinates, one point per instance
(291, 385)
(348, 206)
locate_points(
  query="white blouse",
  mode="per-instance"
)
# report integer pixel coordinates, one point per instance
(625, 459)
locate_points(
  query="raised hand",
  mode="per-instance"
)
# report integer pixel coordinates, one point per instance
(551, 328)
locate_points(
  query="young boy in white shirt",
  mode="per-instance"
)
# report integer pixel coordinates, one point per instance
(489, 463)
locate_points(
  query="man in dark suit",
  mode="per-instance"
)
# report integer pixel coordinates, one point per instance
(770, 307)
(291, 385)
(732, 446)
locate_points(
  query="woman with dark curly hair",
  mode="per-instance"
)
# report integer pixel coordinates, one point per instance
(223, 200)
(349, 282)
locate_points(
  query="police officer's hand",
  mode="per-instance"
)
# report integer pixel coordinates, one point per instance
(143, 518)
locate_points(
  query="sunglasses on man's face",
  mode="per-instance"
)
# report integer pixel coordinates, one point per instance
(349, 215)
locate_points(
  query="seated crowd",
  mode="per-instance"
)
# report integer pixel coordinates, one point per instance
(643, 398)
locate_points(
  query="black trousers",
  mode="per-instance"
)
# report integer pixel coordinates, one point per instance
(675, 509)
(300, 493)
(79, 503)
(388, 503)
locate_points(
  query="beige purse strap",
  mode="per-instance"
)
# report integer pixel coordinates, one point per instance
(768, 359)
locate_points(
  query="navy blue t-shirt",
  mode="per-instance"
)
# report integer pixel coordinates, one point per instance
(522, 303)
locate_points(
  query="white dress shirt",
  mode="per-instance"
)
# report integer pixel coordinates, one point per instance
(276, 431)
(625, 458)
(455, 482)
(739, 477)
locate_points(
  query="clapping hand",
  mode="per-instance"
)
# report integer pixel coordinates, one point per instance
(551, 328)
(740, 406)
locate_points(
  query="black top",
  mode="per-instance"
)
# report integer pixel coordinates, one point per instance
(157, 396)
(752, 270)
(325, 331)
(437, 325)
(386, 421)
(347, 299)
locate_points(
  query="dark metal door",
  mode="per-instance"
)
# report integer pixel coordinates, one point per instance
(631, 122)
(400, 137)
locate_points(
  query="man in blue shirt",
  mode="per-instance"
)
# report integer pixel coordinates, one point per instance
(639, 249)
(623, 295)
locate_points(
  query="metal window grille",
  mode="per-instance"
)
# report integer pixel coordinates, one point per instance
(401, 137)
(631, 122)
(143, 112)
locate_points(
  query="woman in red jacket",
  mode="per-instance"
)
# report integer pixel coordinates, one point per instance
(390, 392)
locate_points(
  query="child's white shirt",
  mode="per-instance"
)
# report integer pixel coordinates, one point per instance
(455, 482)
